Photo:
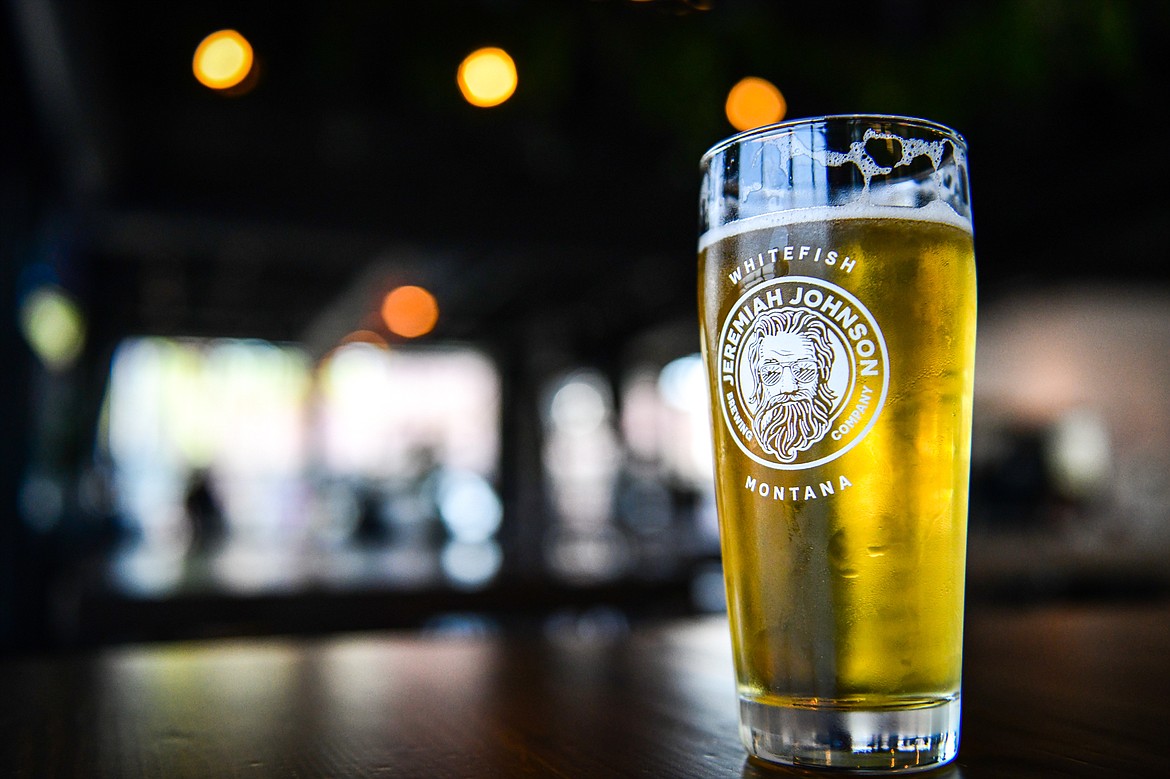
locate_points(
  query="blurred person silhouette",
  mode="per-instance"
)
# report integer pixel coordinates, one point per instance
(204, 514)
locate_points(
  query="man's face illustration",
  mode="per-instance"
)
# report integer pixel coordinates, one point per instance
(792, 405)
(787, 367)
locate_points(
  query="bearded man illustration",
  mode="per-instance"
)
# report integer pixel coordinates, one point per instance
(790, 355)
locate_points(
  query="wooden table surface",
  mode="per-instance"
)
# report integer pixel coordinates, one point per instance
(1073, 690)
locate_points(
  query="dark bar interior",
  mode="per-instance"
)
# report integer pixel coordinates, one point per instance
(333, 351)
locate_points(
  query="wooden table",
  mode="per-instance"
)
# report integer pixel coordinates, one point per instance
(1077, 691)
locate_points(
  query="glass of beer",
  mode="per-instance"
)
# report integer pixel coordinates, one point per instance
(837, 310)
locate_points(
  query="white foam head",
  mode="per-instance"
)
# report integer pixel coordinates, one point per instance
(936, 212)
(800, 171)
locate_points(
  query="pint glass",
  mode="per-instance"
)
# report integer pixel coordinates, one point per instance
(837, 310)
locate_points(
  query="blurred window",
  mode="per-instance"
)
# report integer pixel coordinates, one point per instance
(666, 428)
(582, 461)
(666, 419)
(235, 409)
(379, 410)
(279, 447)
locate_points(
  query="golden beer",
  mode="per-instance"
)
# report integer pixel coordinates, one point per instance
(840, 346)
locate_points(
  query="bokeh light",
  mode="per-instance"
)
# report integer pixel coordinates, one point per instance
(468, 505)
(410, 311)
(580, 406)
(683, 384)
(754, 102)
(471, 564)
(53, 326)
(487, 77)
(222, 60)
(364, 337)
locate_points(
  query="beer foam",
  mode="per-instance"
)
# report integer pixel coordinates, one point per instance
(936, 213)
(912, 149)
(769, 195)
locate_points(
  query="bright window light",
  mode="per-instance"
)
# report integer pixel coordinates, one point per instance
(382, 410)
(235, 408)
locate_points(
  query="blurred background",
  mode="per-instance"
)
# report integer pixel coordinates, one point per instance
(353, 315)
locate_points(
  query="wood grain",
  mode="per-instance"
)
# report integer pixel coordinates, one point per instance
(1057, 691)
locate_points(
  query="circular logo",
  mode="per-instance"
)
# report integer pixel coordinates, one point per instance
(803, 372)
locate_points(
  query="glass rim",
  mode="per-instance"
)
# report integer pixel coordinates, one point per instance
(778, 127)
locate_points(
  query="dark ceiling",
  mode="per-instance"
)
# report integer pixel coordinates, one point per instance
(353, 164)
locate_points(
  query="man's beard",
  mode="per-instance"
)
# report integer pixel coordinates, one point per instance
(788, 424)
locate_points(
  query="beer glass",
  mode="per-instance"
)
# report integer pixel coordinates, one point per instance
(837, 310)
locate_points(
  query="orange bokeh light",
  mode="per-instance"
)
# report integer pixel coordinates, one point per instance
(410, 311)
(222, 60)
(487, 77)
(754, 102)
(363, 337)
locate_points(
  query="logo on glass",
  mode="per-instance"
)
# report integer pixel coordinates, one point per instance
(803, 372)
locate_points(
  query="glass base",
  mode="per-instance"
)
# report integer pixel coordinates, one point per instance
(875, 741)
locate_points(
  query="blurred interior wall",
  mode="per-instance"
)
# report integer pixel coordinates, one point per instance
(1072, 428)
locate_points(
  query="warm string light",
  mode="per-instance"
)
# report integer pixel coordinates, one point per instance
(410, 311)
(754, 102)
(367, 337)
(223, 60)
(487, 77)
